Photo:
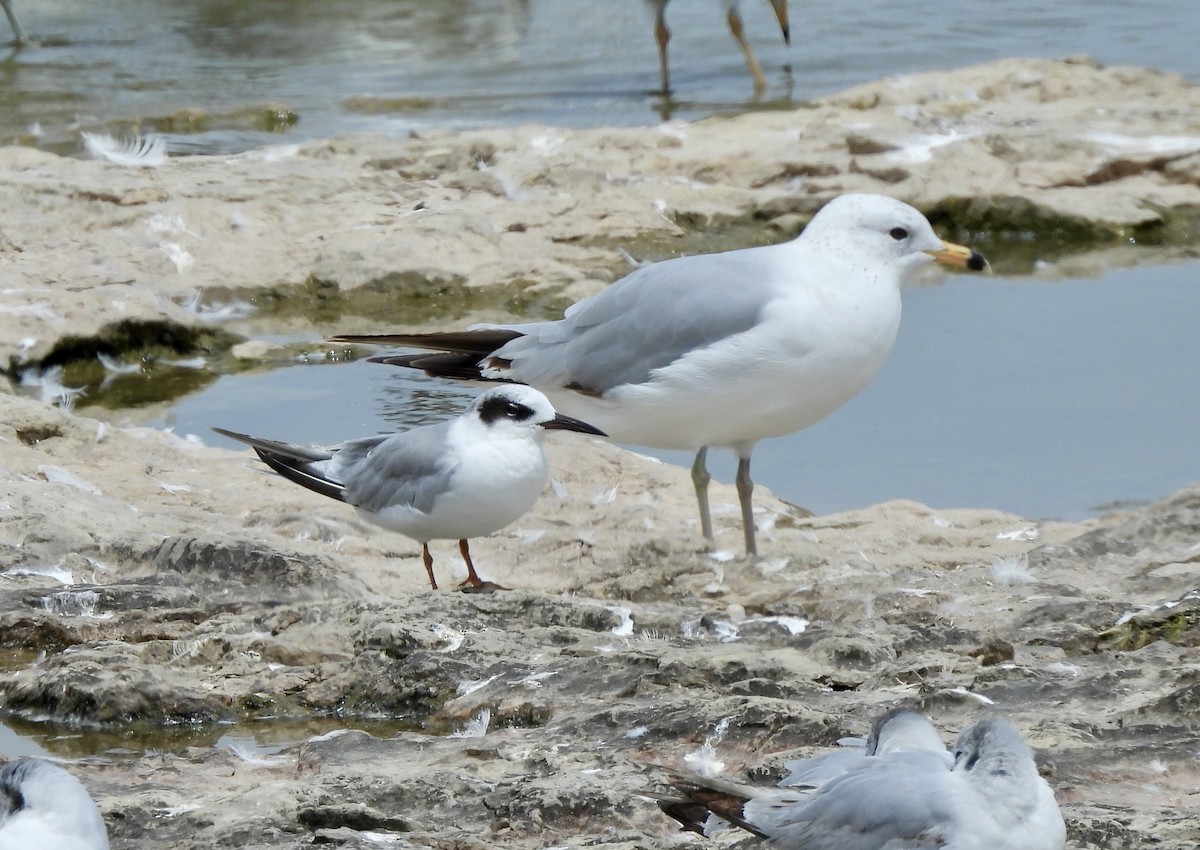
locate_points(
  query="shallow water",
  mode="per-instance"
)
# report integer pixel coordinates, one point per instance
(224, 75)
(1048, 398)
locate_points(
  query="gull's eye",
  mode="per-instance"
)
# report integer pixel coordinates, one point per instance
(899, 234)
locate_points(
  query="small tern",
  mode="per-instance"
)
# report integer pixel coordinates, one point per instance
(465, 477)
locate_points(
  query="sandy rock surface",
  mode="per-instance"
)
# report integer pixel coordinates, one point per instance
(150, 582)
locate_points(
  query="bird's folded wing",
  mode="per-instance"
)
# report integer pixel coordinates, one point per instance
(410, 469)
(906, 801)
(643, 322)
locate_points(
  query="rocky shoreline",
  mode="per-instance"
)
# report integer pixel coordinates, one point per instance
(151, 581)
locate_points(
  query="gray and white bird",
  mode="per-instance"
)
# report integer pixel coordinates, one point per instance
(716, 349)
(733, 17)
(990, 796)
(43, 807)
(465, 477)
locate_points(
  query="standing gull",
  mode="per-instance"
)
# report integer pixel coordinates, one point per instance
(733, 17)
(716, 349)
(43, 807)
(912, 798)
(453, 480)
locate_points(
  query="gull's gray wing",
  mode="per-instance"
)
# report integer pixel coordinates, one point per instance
(411, 468)
(905, 801)
(645, 321)
(818, 770)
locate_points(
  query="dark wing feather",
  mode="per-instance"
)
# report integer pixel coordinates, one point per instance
(459, 352)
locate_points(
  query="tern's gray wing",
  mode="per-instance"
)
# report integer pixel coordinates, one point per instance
(645, 321)
(903, 802)
(412, 468)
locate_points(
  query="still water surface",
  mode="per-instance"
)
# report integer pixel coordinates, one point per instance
(224, 75)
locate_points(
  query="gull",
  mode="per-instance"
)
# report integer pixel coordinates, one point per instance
(990, 797)
(44, 806)
(716, 349)
(18, 33)
(733, 17)
(464, 477)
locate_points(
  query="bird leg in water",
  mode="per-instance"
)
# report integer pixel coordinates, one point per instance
(662, 35)
(735, 27)
(428, 561)
(18, 33)
(700, 479)
(745, 489)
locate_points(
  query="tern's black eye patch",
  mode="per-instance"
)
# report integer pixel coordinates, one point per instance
(499, 407)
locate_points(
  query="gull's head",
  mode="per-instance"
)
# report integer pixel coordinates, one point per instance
(994, 747)
(883, 230)
(516, 407)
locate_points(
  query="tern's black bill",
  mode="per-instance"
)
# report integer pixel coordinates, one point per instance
(570, 423)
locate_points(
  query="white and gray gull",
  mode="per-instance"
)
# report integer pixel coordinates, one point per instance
(910, 797)
(716, 349)
(465, 477)
(43, 807)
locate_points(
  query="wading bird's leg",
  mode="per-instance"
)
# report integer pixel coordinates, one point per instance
(735, 27)
(700, 479)
(18, 33)
(662, 35)
(428, 560)
(745, 489)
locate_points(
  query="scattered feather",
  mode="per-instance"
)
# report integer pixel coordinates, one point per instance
(963, 692)
(560, 489)
(452, 637)
(534, 680)
(606, 496)
(178, 255)
(1063, 667)
(704, 760)
(58, 475)
(75, 603)
(54, 572)
(1012, 569)
(637, 732)
(1029, 532)
(472, 685)
(188, 363)
(625, 627)
(146, 151)
(112, 364)
(476, 727)
(50, 387)
(723, 555)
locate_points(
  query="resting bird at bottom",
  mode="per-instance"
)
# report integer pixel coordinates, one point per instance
(911, 798)
(43, 807)
(453, 480)
(716, 349)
